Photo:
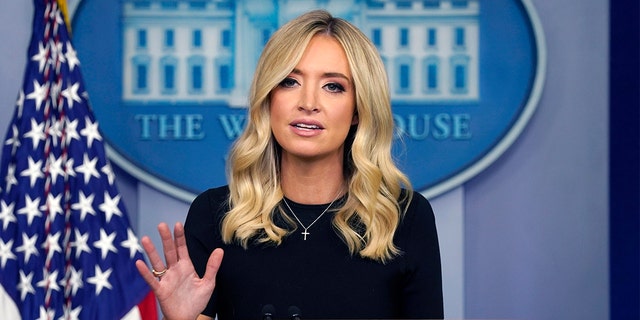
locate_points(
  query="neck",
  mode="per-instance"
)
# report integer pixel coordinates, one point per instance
(312, 182)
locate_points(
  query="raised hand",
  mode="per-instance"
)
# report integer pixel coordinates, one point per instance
(177, 282)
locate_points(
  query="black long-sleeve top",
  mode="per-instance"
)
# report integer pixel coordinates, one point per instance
(318, 276)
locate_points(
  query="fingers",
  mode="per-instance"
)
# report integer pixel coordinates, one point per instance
(174, 248)
(213, 265)
(168, 245)
(181, 242)
(152, 253)
(146, 274)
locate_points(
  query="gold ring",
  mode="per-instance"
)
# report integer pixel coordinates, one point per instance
(159, 274)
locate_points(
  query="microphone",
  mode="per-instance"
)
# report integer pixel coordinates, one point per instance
(268, 310)
(295, 313)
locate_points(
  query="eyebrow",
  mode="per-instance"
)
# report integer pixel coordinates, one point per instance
(326, 74)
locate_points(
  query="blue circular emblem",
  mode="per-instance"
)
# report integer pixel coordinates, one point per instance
(168, 80)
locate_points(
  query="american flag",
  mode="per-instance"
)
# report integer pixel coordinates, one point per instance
(67, 249)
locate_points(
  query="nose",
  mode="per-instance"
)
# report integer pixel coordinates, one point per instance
(308, 100)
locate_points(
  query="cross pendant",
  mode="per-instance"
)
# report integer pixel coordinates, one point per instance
(305, 233)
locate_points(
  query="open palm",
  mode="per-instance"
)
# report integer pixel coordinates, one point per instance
(179, 283)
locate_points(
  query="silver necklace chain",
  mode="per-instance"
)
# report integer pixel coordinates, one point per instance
(305, 233)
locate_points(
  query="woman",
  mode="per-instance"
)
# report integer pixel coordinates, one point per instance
(317, 221)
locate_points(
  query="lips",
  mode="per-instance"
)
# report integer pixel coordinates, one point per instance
(307, 125)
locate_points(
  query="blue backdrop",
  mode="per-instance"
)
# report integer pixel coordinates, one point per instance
(551, 228)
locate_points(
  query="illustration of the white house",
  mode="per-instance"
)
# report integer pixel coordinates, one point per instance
(205, 51)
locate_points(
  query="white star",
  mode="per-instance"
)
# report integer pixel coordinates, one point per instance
(68, 168)
(55, 131)
(85, 205)
(71, 131)
(25, 286)
(34, 172)
(28, 247)
(5, 252)
(59, 20)
(54, 93)
(81, 243)
(105, 244)
(88, 168)
(74, 280)
(53, 206)
(6, 214)
(71, 93)
(100, 280)
(46, 314)
(20, 103)
(71, 314)
(36, 133)
(52, 244)
(30, 209)
(90, 131)
(108, 171)
(55, 168)
(39, 93)
(49, 281)
(72, 58)
(41, 56)
(110, 206)
(14, 140)
(11, 177)
(57, 57)
(131, 243)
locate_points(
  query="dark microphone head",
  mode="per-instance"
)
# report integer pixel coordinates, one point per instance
(295, 313)
(268, 310)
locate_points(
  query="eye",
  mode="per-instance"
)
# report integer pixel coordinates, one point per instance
(334, 87)
(288, 83)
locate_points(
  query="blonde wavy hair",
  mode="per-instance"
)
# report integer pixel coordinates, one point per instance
(375, 202)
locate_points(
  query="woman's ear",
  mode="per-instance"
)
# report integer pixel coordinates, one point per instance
(354, 120)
